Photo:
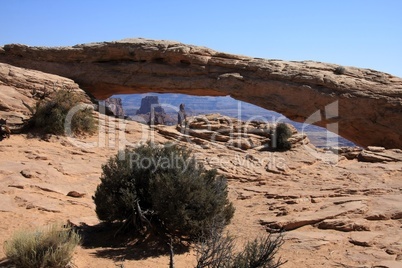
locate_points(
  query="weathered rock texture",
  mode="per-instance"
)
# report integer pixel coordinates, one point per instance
(21, 89)
(368, 103)
(213, 130)
(115, 105)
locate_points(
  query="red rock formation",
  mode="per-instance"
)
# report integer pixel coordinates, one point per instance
(115, 106)
(20, 89)
(149, 102)
(365, 104)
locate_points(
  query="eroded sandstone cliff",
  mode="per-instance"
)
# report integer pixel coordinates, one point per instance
(365, 105)
(342, 214)
(21, 89)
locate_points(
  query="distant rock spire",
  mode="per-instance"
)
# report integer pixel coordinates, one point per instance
(149, 102)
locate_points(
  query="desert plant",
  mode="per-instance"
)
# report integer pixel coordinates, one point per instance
(340, 70)
(49, 247)
(282, 134)
(50, 114)
(214, 250)
(217, 251)
(260, 253)
(165, 182)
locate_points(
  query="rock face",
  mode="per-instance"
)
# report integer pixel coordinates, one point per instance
(371, 154)
(365, 104)
(20, 89)
(379, 154)
(115, 106)
(217, 130)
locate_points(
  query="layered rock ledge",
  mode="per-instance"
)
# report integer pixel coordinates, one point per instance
(365, 104)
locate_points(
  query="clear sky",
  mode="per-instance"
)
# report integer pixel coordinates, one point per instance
(361, 33)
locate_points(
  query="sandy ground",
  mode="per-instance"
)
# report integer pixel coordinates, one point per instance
(343, 215)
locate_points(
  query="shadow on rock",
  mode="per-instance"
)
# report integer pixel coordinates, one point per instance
(112, 244)
(5, 263)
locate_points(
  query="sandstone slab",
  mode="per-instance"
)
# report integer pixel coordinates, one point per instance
(363, 239)
(377, 154)
(293, 221)
(385, 208)
(344, 225)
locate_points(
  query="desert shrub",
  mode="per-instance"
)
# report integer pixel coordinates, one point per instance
(218, 251)
(164, 187)
(282, 134)
(50, 115)
(340, 70)
(260, 253)
(49, 247)
(214, 250)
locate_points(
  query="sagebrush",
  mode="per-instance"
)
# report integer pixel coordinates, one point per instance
(218, 251)
(42, 248)
(162, 187)
(260, 253)
(50, 114)
(340, 70)
(282, 134)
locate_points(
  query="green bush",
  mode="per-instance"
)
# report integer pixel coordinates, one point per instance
(282, 134)
(50, 115)
(164, 187)
(50, 247)
(340, 70)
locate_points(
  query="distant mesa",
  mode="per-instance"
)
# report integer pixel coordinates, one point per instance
(148, 103)
(152, 112)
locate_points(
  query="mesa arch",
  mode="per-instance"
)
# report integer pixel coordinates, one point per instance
(366, 104)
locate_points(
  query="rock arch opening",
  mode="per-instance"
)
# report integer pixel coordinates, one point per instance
(135, 108)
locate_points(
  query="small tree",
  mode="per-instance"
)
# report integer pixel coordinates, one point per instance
(50, 114)
(167, 183)
(282, 134)
(50, 247)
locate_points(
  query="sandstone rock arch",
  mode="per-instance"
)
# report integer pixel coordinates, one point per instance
(366, 104)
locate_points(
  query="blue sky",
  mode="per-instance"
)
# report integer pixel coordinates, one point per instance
(361, 33)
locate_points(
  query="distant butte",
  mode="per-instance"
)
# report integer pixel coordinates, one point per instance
(366, 104)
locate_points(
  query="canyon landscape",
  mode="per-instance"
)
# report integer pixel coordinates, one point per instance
(336, 207)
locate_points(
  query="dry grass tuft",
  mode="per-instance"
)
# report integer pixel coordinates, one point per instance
(46, 247)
